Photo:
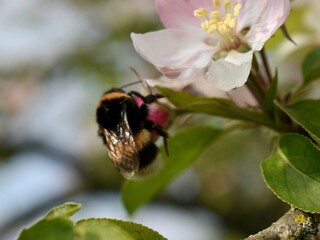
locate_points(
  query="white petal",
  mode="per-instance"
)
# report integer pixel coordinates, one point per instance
(263, 18)
(173, 50)
(230, 72)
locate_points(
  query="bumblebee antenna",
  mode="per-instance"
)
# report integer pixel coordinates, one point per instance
(140, 79)
(129, 84)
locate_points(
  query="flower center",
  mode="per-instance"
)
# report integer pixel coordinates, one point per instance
(222, 26)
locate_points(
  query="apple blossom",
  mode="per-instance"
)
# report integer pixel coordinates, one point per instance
(216, 36)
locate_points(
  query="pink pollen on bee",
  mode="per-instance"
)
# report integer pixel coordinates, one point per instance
(157, 114)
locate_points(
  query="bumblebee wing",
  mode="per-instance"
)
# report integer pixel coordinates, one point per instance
(122, 148)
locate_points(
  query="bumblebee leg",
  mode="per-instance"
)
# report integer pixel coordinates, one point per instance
(156, 127)
(159, 130)
(143, 111)
(164, 136)
(146, 99)
(100, 134)
(165, 144)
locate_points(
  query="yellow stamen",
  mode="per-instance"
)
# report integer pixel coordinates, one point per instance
(200, 13)
(205, 25)
(231, 23)
(216, 3)
(214, 23)
(215, 15)
(236, 9)
(227, 5)
(212, 28)
(223, 29)
(228, 17)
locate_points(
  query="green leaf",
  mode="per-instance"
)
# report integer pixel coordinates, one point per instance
(271, 95)
(293, 172)
(185, 147)
(214, 106)
(64, 211)
(105, 229)
(55, 225)
(311, 66)
(306, 113)
(49, 229)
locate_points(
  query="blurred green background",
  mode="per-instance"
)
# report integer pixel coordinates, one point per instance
(56, 59)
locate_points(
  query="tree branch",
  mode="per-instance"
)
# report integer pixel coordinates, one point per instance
(295, 224)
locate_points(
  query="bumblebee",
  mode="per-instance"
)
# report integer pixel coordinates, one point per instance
(127, 130)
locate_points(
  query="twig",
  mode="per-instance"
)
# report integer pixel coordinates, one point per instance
(295, 224)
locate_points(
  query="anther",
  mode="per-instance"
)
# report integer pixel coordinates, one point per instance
(231, 23)
(223, 29)
(205, 25)
(220, 25)
(200, 13)
(215, 15)
(212, 28)
(216, 3)
(227, 5)
(236, 9)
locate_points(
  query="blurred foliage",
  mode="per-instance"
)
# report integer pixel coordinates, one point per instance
(180, 158)
(58, 225)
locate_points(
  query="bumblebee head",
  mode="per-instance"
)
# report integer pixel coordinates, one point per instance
(108, 114)
(110, 107)
(116, 90)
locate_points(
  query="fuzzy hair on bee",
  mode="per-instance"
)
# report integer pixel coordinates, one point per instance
(126, 129)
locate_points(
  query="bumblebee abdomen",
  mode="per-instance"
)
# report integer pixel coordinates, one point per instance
(147, 155)
(142, 138)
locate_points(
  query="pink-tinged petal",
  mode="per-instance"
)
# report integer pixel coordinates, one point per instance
(179, 13)
(232, 71)
(206, 88)
(172, 50)
(263, 18)
(186, 78)
(243, 97)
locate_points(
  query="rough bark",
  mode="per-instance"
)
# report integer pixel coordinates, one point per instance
(295, 224)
